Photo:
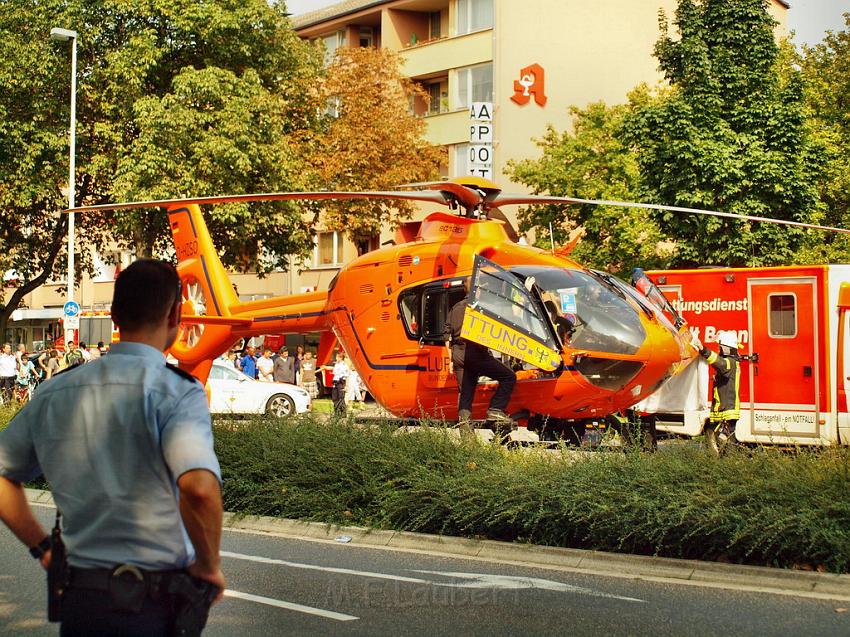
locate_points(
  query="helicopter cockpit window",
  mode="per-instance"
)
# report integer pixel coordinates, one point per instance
(432, 303)
(601, 317)
(409, 304)
(423, 309)
(500, 294)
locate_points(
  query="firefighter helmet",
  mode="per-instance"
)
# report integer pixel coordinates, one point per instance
(728, 338)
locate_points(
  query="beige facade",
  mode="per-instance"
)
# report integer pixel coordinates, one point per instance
(475, 50)
(465, 51)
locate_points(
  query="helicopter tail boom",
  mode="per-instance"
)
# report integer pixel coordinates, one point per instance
(207, 293)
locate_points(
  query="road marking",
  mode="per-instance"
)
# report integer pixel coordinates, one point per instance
(321, 612)
(473, 580)
(327, 569)
(513, 582)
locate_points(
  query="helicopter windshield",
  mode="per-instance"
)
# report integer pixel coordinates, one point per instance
(499, 298)
(601, 318)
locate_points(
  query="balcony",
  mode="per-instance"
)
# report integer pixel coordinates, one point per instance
(448, 128)
(438, 56)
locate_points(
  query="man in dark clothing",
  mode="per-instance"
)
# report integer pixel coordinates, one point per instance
(284, 368)
(725, 399)
(469, 361)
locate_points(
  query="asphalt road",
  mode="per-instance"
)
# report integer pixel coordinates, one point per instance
(284, 586)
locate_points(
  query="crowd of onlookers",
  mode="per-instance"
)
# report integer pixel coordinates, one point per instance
(299, 369)
(22, 371)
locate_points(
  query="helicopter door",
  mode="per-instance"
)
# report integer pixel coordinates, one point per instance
(502, 315)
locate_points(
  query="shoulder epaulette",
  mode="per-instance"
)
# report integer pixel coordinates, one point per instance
(181, 372)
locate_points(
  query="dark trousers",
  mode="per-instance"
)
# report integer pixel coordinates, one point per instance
(7, 383)
(476, 362)
(338, 396)
(91, 613)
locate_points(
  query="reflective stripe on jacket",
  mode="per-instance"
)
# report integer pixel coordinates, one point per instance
(725, 399)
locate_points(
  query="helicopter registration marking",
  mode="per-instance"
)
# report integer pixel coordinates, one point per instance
(490, 333)
(452, 229)
(187, 250)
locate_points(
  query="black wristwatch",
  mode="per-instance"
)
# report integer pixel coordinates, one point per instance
(41, 548)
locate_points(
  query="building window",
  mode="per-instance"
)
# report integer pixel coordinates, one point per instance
(367, 38)
(328, 250)
(464, 164)
(474, 15)
(474, 84)
(436, 24)
(461, 159)
(332, 42)
(434, 99)
(782, 315)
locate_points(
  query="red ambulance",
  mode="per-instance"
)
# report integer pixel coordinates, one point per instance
(795, 319)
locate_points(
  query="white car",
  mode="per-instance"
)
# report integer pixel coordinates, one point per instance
(232, 392)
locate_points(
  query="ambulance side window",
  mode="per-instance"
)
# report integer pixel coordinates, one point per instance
(782, 315)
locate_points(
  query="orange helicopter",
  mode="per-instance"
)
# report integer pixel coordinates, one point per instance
(589, 344)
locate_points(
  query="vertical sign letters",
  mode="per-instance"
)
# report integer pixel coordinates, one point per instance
(480, 160)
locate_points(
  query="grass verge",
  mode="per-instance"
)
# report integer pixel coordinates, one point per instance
(760, 506)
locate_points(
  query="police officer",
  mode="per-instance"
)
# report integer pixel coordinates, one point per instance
(469, 361)
(125, 444)
(725, 400)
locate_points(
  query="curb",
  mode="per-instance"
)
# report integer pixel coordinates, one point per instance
(693, 572)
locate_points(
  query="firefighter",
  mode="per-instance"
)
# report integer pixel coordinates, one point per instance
(725, 399)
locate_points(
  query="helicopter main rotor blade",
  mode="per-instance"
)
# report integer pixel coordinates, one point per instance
(505, 200)
(466, 197)
(431, 196)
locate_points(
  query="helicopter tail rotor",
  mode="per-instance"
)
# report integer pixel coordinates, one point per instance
(207, 293)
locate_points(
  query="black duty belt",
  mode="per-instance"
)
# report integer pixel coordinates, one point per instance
(155, 583)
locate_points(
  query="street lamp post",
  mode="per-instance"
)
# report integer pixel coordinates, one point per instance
(66, 35)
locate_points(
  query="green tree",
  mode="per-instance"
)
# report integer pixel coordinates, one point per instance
(826, 68)
(730, 136)
(591, 162)
(177, 97)
(200, 98)
(216, 133)
(369, 141)
(34, 118)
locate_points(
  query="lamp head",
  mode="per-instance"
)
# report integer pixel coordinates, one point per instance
(62, 34)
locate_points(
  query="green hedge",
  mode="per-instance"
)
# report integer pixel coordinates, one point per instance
(6, 413)
(761, 506)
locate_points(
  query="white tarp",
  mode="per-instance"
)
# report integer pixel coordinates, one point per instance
(686, 391)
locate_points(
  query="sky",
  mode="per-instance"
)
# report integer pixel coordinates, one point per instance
(808, 18)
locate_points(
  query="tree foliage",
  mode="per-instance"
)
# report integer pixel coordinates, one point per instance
(174, 98)
(730, 136)
(201, 98)
(590, 162)
(34, 156)
(826, 68)
(370, 140)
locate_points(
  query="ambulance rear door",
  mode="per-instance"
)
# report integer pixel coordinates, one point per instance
(785, 382)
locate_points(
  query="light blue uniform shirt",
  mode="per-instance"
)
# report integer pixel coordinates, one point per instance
(111, 437)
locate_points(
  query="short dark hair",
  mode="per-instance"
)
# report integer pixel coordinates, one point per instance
(144, 294)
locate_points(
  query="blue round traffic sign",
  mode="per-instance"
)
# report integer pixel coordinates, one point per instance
(71, 308)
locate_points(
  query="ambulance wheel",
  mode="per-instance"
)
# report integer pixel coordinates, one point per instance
(280, 406)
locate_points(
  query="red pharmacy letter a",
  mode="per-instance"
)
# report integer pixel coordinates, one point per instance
(531, 82)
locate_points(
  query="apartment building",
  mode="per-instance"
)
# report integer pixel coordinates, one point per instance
(530, 59)
(527, 61)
